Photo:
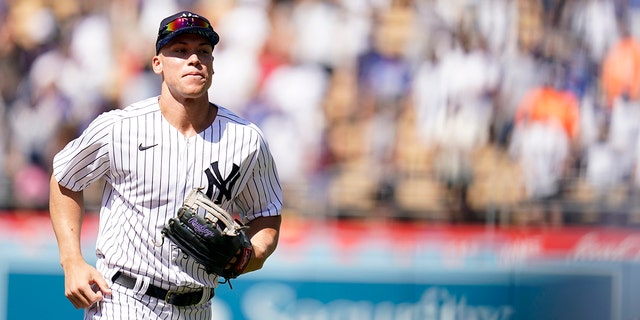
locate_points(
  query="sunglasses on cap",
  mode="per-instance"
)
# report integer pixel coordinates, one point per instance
(185, 22)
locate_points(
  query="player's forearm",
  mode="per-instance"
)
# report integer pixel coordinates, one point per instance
(66, 212)
(264, 233)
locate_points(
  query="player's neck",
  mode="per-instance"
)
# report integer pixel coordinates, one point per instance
(190, 116)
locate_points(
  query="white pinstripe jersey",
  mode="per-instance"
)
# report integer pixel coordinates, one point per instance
(149, 167)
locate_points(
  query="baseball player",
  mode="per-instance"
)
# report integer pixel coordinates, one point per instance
(151, 154)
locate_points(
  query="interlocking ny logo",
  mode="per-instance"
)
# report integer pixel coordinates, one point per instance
(224, 185)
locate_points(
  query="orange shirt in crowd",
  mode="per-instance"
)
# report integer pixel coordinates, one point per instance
(621, 70)
(550, 105)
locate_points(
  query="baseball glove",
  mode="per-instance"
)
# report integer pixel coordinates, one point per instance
(210, 235)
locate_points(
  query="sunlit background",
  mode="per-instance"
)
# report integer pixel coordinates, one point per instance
(441, 159)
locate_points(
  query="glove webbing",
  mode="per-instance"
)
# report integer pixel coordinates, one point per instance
(196, 198)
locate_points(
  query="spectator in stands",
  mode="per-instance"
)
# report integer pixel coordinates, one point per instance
(594, 24)
(621, 68)
(546, 131)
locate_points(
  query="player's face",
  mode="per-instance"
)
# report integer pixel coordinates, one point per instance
(186, 65)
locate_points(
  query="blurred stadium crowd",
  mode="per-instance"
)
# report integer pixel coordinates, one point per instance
(457, 111)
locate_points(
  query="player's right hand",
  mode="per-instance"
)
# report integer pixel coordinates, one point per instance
(83, 284)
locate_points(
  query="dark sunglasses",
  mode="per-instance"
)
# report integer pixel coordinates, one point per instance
(185, 22)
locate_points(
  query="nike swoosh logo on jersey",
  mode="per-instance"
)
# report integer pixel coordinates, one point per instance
(143, 148)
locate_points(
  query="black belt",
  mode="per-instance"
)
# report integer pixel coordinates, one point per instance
(177, 299)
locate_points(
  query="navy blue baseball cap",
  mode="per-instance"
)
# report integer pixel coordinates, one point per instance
(182, 23)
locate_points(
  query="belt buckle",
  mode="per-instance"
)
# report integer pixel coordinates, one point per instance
(169, 295)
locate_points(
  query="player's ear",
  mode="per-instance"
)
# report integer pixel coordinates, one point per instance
(156, 64)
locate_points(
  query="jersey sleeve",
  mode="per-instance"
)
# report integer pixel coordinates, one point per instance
(85, 159)
(262, 195)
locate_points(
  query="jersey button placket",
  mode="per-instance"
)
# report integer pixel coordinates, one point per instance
(187, 163)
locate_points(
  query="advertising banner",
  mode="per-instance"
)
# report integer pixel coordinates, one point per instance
(377, 271)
